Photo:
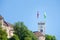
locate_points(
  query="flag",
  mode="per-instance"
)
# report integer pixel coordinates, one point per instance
(37, 14)
(44, 15)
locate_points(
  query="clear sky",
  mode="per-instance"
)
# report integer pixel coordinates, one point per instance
(25, 10)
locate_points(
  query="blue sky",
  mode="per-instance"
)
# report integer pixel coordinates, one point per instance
(25, 10)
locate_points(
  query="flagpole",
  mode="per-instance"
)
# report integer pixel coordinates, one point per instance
(38, 19)
(45, 18)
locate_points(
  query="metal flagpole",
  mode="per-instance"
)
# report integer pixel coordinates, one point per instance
(38, 19)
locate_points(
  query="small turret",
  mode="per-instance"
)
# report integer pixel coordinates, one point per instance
(1, 17)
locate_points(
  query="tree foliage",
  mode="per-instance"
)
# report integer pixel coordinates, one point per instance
(50, 37)
(15, 37)
(3, 34)
(27, 38)
(22, 31)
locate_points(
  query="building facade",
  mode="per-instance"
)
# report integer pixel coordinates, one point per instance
(6, 26)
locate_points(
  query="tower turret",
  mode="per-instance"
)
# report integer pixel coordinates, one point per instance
(1, 21)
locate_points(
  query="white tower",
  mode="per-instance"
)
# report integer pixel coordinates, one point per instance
(41, 27)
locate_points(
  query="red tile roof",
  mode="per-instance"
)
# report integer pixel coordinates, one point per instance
(38, 34)
(7, 24)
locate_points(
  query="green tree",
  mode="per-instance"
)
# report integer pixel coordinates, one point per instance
(15, 37)
(22, 31)
(27, 38)
(50, 37)
(53, 38)
(3, 34)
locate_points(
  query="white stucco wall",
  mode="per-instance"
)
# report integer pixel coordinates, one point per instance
(41, 38)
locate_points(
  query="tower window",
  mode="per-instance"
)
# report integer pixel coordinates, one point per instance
(41, 30)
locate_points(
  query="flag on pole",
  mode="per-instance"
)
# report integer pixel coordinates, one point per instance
(44, 15)
(37, 14)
